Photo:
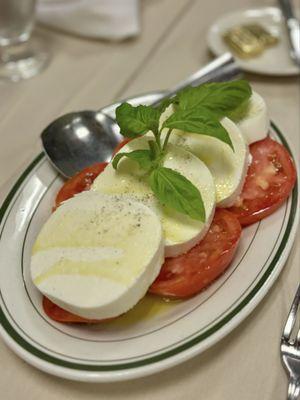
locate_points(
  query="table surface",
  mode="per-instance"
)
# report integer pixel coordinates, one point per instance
(88, 74)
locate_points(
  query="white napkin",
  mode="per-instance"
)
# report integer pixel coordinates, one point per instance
(107, 19)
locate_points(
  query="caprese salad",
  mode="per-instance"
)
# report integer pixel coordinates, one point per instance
(165, 216)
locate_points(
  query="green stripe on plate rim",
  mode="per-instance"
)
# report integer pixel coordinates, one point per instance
(170, 353)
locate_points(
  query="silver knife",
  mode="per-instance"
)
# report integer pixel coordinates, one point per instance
(293, 29)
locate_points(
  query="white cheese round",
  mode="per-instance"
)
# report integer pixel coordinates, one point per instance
(97, 255)
(228, 168)
(254, 121)
(181, 232)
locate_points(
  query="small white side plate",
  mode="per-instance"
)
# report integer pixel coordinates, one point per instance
(274, 61)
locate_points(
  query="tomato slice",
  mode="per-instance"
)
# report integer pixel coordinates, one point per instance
(79, 182)
(270, 180)
(185, 275)
(60, 315)
(120, 145)
(188, 274)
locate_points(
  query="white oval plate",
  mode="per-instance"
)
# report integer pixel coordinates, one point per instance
(146, 340)
(274, 61)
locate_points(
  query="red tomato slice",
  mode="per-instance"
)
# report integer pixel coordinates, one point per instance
(185, 275)
(60, 315)
(270, 179)
(120, 145)
(188, 274)
(79, 182)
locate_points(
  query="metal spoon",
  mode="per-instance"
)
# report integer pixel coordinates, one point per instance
(79, 139)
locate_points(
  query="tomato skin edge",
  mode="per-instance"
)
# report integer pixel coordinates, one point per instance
(197, 291)
(251, 217)
(58, 314)
(247, 220)
(78, 183)
(188, 285)
(120, 145)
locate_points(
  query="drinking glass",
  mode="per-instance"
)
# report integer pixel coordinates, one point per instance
(21, 56)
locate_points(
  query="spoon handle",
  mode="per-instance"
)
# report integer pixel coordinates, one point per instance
(223, 68)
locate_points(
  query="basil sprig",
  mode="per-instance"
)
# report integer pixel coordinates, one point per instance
(136, 121)
(197, 110)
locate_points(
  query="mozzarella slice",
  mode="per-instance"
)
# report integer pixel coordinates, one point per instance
(181, 232)
(227, 167)
(97, 255)
(253, 121)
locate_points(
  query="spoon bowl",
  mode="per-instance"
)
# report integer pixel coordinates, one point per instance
(79, 139)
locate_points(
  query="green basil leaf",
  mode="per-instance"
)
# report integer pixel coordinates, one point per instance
(175, 191)
(142, 157)
(164, 104)
(240, 112)
(219, 98)
(154, 149)
(198, 121)
(136, 121)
